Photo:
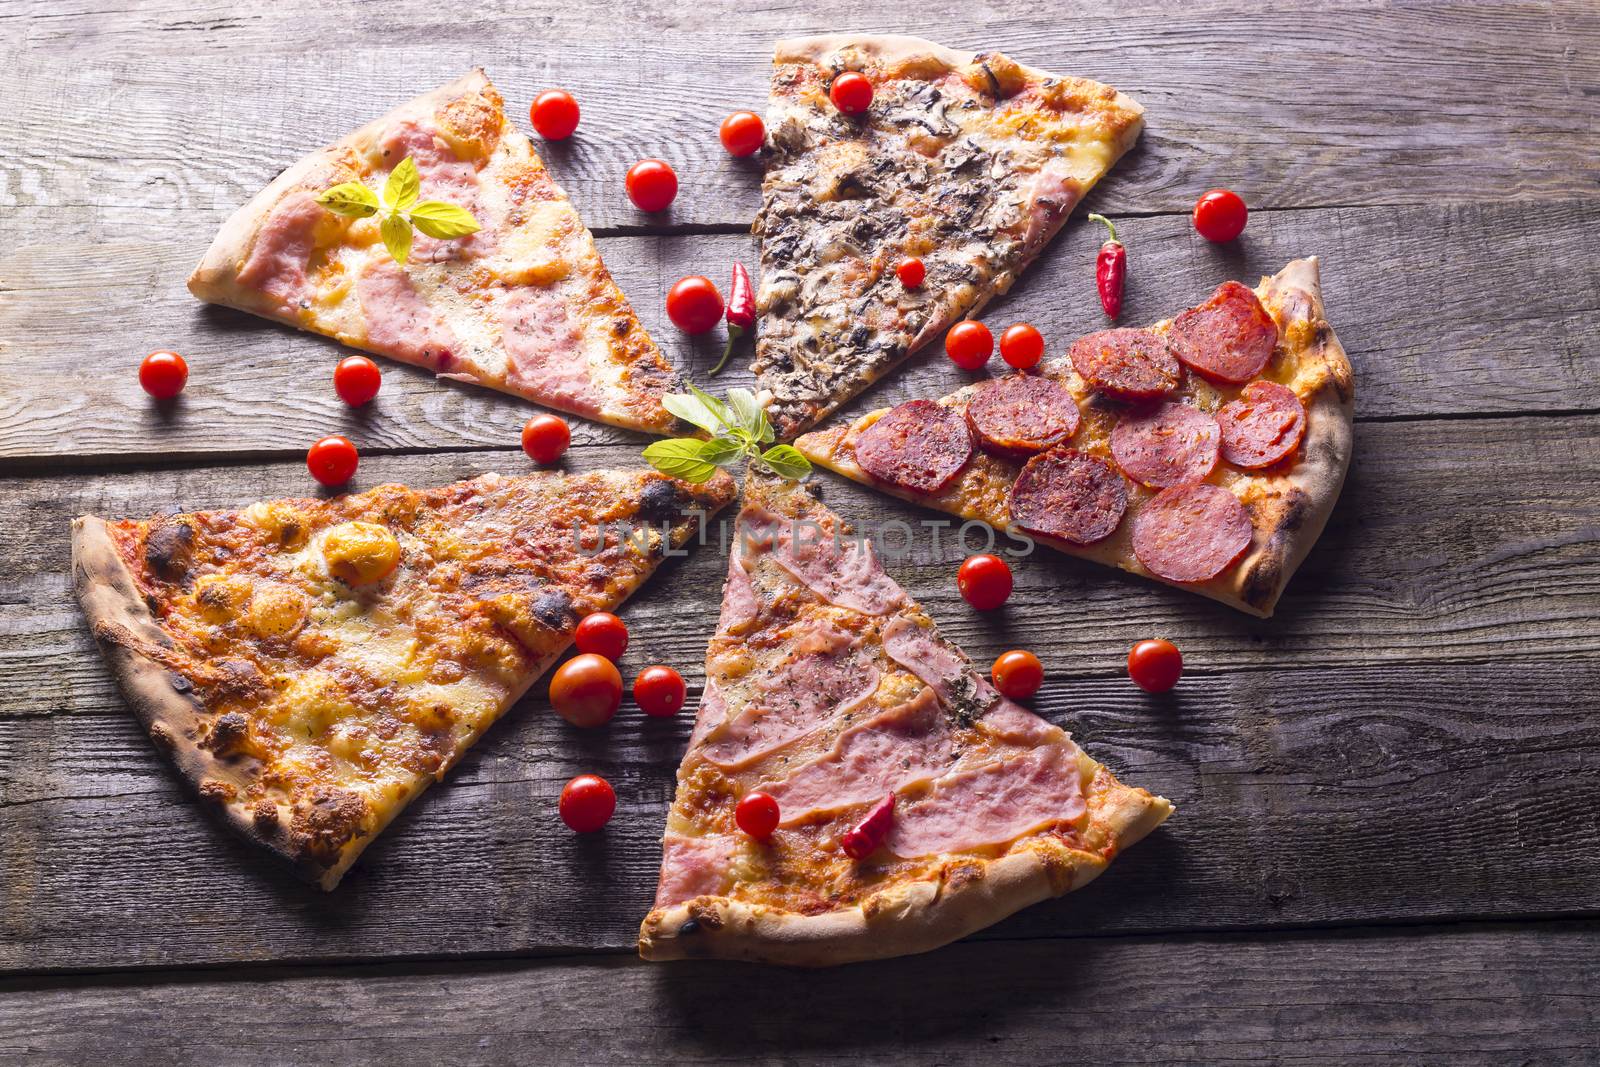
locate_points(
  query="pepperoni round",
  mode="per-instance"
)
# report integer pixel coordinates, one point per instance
(1261, 427)
(919, 445)
(1067, 494)
(1131, 364)
(1191, 533)
(1168, 445)
(1021, 414)
(1230, 337)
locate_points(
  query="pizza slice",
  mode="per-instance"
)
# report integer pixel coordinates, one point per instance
(523, 305)
(311, 666)
(914, 804)
(1206, 451)
(967, 163)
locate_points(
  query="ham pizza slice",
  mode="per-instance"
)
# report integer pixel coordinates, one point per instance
(523, 304)
(1205, 451)
(908, 803)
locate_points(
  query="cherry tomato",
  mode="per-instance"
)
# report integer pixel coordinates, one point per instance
(694, 305)
(969, 344)
(1022, 346)
(659, 692)
(554, 114)
(757, 815)
(586, 690)
(163, 374)
(652, 184)
(742, 133)
(1155, 666)
(545, 438)
(356, 379)
(602, 634)
(1018, 674)
(984, 581)
(587, 803)
(911, 272)
(851, 93)
(333, 460)
(1220, 215)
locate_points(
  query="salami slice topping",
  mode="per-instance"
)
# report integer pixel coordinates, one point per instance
(1230, 337)
(1022, 414)
(1261, 427)
(1169, 445)
(919, 445)
(1131, 364)
(1064, 493)
(1191, 533)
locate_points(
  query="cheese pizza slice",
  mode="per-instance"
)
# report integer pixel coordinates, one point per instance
(1205, 451)
(966, 164)
(523, 305)
(311, 666)
(909, 803)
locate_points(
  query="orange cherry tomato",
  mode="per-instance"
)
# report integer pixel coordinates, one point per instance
(694, 305)
(1022, 346)
(554, 114)
(742, 133)
(911, 272)
(1018, 674)
(659, 692)
(757, 815)
(1220, 215)
(356, 379)
(587, 803)
(333, 460)
(1155, 666)
(586, 690)
(651, 184)
(969, 344)
(163, 374)
(851, 93)
(603, 634)
(545, 438)
(984, 581)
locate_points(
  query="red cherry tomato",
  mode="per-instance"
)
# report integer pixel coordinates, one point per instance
(554, 114)
(1220, 215)
(587, 803)
(1018, 674)
(911, 272)
(969, 344)
(757, 815)
(356, 379)
(984, 581)
(742, 133)
(545, 438)
(163, 374)
(333, 460)
(851, 93)
(603, 634)
(1155, 666)
(1022, 346)
(652, 184)
(694, 305)
(659, 692)
(586, 690)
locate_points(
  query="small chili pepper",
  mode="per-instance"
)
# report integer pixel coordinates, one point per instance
(741, 312)
(1110, 269)
(864, 840)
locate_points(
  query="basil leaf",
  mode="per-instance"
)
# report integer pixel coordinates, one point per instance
(786, 462)
(721, 451)
(681, 457)
(692, 409)
(724, 416)
(746, 412)
(351, 199)
(403, 187)
(444, 221)
(396, 237)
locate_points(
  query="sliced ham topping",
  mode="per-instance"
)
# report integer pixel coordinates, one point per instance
(739, 604)
(1167, 445)
(943, 669)
(545, 350)
(399, 322)
(445, 176)
(1229, 338)
(713, 711)
(841, 571)
(693, 867)
(277, 263)
(888, 752)
(992, 805)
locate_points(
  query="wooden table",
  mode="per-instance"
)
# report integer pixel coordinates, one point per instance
(1386, 846)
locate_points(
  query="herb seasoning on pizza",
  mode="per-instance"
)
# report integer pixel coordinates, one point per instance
(967, 164)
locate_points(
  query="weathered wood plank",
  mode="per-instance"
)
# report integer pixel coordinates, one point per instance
(1460, 996)
(1444, 310)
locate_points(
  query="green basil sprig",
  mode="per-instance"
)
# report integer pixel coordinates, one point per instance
(398, 210)
(739, 431)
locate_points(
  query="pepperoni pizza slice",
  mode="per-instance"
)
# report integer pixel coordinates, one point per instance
(311, 666)
(523, 305)
(1205, 451)
(907, 804)
(966, 164)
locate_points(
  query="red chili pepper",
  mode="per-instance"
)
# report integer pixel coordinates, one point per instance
(864, 840)
(1110, 269)
(741, 311)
